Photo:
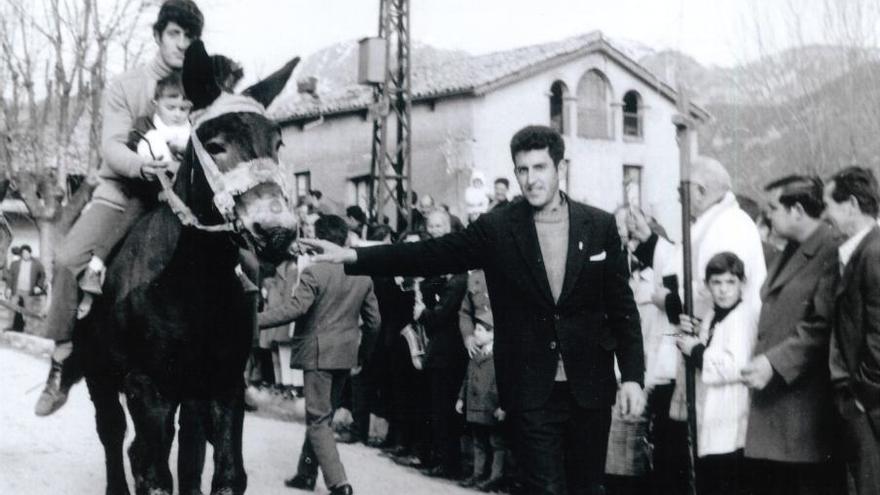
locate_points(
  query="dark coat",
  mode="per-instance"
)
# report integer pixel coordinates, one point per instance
(856, 324)
(326, 305)
(442, 297)
(38, 276)
(479, 391)
(594, 319)
(790, 419)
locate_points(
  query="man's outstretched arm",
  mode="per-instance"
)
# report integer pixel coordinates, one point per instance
(452, 253)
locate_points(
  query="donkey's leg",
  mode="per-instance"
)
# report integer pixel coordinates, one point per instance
(153, 417)
(227, 420)
(110, 422)
(191, 440)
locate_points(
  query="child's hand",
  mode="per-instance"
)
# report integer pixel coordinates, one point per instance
(459, 406)
(487, 349)
(499, 414)
(686, 343)
(689, 325)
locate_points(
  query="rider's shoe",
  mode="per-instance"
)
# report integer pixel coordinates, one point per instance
(54, 394)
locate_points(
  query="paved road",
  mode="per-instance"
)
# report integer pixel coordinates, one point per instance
(61, 454)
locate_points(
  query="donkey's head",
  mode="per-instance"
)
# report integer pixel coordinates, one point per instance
(231, 171)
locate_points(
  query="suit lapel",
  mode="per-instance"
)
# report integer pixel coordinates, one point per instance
(802, 255)
(526, 238)
(578, 230)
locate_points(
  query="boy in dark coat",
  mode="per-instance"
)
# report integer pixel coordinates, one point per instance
(478, 398)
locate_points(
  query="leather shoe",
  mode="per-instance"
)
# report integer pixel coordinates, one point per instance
(490, 485)
(54, 394)
(440, 471)
(300, 482)
(346, 437)
(342, 490)
(469, 482)
(408, 461)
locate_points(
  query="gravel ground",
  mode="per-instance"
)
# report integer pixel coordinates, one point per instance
(61, 454)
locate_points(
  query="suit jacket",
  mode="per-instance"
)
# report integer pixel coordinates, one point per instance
(856, 324)
(326, 305)
(594, 319)
(790, 419)
(38, 276)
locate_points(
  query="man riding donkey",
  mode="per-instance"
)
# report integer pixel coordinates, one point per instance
(118, 201)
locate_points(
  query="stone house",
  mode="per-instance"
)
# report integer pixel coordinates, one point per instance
(615, 115)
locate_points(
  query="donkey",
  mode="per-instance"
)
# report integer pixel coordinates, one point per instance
(176, 323)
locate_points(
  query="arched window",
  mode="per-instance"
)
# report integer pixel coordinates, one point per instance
(593, 106)
(632, 114)
(558, 93)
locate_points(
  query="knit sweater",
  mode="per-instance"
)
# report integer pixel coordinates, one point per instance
(551, 225)
(128, 97)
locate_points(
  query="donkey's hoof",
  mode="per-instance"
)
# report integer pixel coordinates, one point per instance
(159, 491)
(226, 491)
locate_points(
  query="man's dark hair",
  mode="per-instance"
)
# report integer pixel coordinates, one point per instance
(378, 232)
(316, 194)
(184, 13)
(860, 183)
(538, 137)
(503, 180)
(749, 205)
(725, 262)
(803, 189)
(170, 86)
(357, 213)
(25, 247)
(331, 228)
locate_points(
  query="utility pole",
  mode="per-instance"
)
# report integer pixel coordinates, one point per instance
(391, 164)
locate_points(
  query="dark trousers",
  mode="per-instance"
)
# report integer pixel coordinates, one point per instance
(489, 449)
(560, 448)
(447, 425)
(669, 438)
(722, 474)
(322, 390)
(859, 442)
(794, 478)
(19, 299)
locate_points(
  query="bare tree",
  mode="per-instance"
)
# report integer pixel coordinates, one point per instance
(54, 56)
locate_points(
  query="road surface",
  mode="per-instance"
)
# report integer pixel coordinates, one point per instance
(61, 454)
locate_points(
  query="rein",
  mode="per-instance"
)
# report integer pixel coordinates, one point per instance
(184, 214)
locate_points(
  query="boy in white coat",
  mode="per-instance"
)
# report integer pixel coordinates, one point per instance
(720, 346)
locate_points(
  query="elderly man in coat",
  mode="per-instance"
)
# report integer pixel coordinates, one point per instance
(790, 429)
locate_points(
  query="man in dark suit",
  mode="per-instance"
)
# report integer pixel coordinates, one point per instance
(326, 305)
(25, 278)
(852, 200)
(557, 281)
(790, 430)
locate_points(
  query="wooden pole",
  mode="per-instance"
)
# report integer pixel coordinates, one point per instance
(684, 128)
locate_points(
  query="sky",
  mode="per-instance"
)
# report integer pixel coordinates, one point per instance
(262, 34)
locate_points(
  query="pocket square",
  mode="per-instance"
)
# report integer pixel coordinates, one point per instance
(599, 257)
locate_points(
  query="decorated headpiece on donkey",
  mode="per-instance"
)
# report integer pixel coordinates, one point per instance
(249, 192)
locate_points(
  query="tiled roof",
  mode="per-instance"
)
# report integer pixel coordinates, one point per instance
(474, 75)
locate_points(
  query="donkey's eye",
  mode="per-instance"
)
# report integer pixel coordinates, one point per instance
(279, 145)
(215, 148)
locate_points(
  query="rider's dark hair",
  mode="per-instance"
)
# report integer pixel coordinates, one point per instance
(170, 86)
(184, 13)
(332, 228)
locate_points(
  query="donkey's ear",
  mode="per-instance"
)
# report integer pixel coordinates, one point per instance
(199, 84)
(266, 90)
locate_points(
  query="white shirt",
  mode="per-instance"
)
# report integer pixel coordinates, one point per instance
(23, 284)
(846, 250)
